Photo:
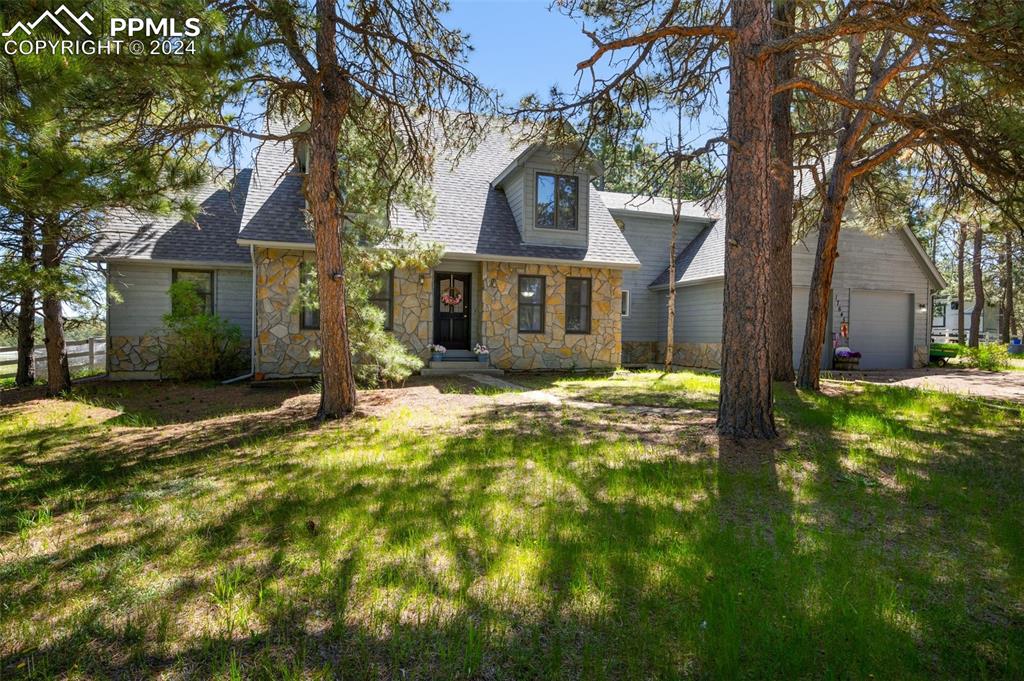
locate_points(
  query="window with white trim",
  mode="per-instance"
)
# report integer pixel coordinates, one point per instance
(625, 303)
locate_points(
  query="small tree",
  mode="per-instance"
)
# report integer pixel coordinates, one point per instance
(200, 345)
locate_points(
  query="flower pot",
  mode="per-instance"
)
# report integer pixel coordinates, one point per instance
(483, 359)
(436, 356)
(846, 363)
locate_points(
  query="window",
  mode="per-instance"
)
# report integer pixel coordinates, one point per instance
(938, 314)
(577, 305)
(625, 303)
(382, 295)
(556, 201)
(309, 317)
(531, 304)
(202, 280)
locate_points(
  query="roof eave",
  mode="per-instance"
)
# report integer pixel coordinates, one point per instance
(936, 277)
(688, 282)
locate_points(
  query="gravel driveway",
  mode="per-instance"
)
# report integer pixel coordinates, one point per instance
(1006, 385)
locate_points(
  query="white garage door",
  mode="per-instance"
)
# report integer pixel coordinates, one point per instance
(881, 328)
(800, 295)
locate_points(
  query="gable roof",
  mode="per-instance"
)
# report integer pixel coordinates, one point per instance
(627, 203)
(704, 258)
(472, 217)
(212, 238)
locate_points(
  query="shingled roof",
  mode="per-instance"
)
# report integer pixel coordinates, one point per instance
(703, 258)
(211, 238)
(470, 217)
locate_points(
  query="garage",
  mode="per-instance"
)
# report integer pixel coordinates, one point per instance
(800, 295)
(881, 328)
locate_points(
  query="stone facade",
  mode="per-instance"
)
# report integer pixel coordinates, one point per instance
(641, 352)
(697, 355)
(135, 353)
(283, 347)
(921, 356)
(412, 309)
(554, 348)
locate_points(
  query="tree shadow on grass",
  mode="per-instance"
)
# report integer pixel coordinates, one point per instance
(536, 542)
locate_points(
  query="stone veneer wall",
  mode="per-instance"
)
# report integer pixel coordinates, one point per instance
(641, 352)
(921, 356)
(135, 353)
(697, 355)
(413, 310)
(282, 346)
(554, 348)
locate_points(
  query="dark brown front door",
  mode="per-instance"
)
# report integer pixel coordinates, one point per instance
(452, 309)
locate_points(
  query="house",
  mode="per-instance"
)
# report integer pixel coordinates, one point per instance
(545, 270)
(945, 327)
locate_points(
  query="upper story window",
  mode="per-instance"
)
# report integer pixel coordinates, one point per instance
(557, 201)
(202, 283)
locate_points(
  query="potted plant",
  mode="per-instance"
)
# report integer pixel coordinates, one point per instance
(437, 352)
(483, 354)
(846, 359)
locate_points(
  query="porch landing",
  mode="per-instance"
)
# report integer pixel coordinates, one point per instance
(451, 366)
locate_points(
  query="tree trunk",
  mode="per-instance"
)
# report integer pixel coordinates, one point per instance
(824, 267)
(1009, 326)
(328, 106)
(670, 331)
(979, 288)
(58, 375)
(781, 230)
(26, 374)
(960, 247)
(745, 401)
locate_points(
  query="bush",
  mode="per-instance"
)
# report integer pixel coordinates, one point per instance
(987, 356)
(200, 345)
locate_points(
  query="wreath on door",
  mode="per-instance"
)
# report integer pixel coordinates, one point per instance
(451, 297)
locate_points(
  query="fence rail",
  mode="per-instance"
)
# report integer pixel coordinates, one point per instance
(90, 354)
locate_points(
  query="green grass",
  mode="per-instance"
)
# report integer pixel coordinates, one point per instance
(683, 389)
(882, 538)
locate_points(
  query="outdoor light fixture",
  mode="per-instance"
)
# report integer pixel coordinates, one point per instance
(422, 279)
(921, 307)
(494, 283)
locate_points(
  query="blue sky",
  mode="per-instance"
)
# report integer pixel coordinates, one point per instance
(521, 47)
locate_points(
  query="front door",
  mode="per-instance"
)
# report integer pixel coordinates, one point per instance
(451, 309)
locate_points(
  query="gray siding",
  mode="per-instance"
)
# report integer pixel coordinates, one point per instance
(142, 288)
(234, 298)
(869, 262)
(514, 195)
(699, 313)
(649, 237)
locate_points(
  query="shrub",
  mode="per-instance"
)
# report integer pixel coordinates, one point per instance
(987, 356)
(200, 345)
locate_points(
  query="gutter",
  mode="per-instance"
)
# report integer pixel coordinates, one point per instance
(252, 331)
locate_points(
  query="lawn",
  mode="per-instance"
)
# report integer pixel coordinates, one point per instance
(177, 531)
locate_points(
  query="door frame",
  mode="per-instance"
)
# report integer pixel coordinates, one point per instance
(467, 305)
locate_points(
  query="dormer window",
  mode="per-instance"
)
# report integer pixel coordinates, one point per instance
(301, 157)
(557, 201)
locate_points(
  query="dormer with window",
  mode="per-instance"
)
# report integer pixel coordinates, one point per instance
(549, 197)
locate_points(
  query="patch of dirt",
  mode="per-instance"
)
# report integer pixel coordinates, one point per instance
(1005, 385)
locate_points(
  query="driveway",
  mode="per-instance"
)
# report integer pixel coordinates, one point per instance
(1006, 385)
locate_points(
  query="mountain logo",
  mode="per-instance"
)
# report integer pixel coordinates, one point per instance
(52, 16)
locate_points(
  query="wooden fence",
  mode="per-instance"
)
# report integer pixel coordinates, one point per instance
(84, 355)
